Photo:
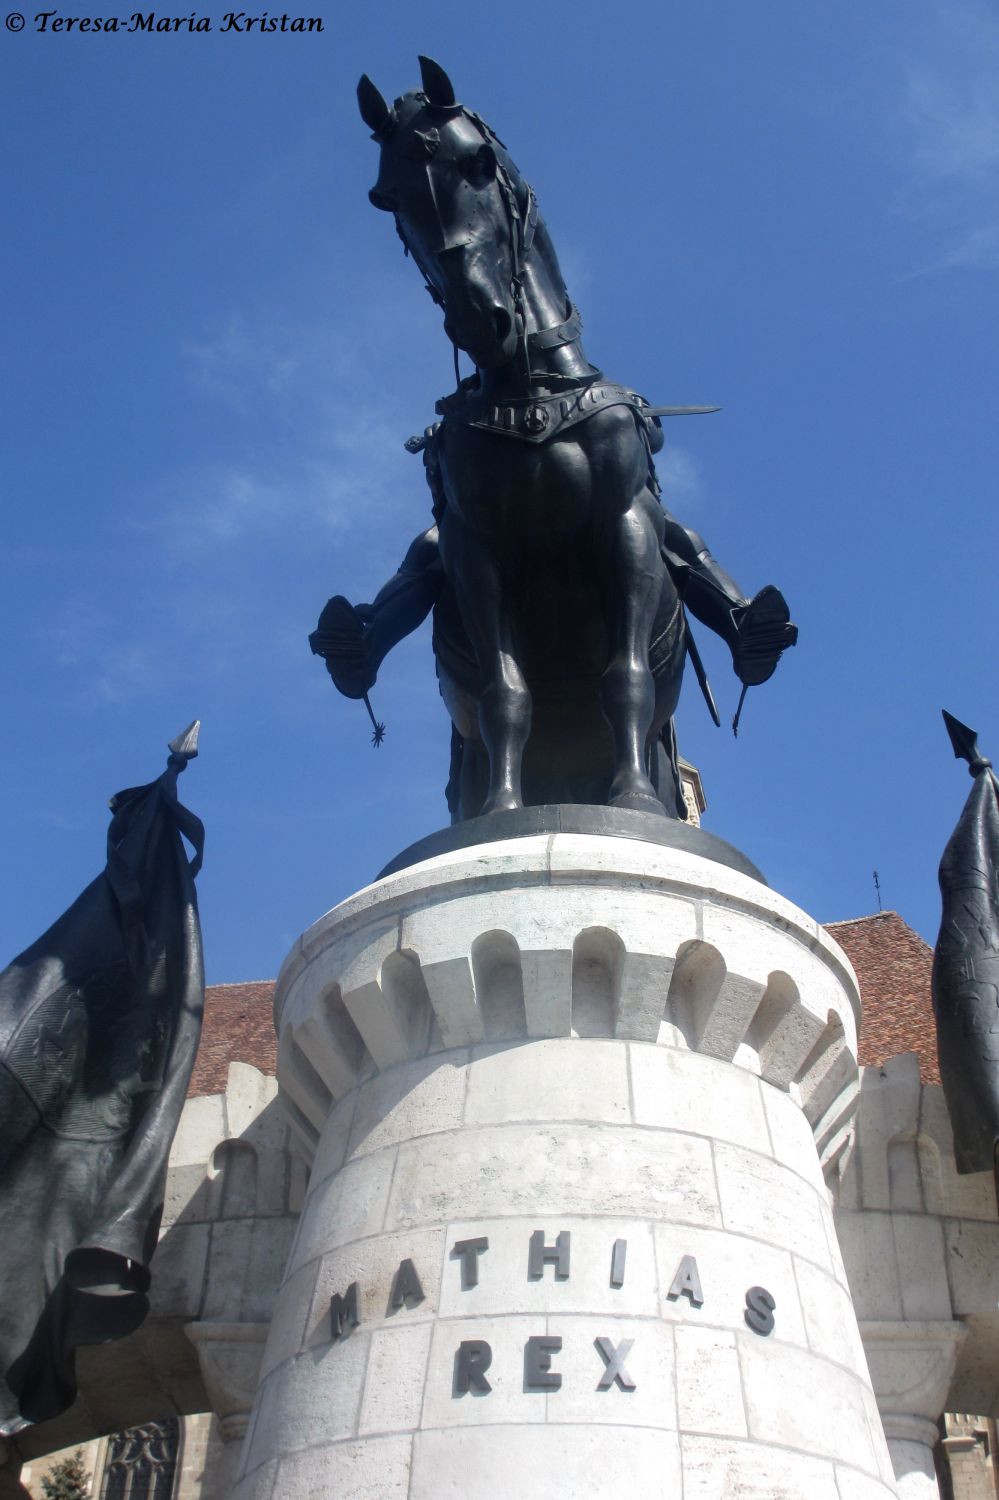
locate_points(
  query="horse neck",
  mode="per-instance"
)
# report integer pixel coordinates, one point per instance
(545, 304)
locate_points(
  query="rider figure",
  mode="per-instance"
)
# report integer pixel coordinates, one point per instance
(354, 640)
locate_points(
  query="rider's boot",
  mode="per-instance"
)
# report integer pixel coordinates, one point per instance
(340, 640)
(757, 630)
(355, 639)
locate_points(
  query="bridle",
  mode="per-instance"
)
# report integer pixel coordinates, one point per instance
(522, 223)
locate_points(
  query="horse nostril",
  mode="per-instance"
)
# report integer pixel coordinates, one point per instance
(503, 323)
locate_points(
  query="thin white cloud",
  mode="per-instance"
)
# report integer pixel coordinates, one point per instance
(680, 477)
(948, 134)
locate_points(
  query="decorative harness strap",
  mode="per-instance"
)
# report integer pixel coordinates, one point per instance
(537, 419)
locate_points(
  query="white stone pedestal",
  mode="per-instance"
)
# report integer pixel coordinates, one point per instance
(625, 1057)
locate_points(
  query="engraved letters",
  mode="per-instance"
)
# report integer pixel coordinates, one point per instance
(474, 1357)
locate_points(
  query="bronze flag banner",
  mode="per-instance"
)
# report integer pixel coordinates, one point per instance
(99, 1025)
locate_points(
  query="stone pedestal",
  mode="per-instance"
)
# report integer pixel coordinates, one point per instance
(568, 1099)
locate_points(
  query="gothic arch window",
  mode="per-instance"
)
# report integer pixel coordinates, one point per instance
(141, 1462)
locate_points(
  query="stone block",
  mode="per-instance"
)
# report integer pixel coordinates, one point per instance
(721, 1017)
(709, 1389)
(331, 1152)
(512, 1169)
(761, 1198)
(273, 1181)
(728, 1265)
(683, 1091)
(791, 1135)
(394, 1383)
(502, 1269)
(643, 988)
(554, 1079)
(377, 1469)
(451, 986)
(832, 1240)
(572, 1463)
(315, 1396)
(408, 1101)
(868, 1245)
(725, 1470)
(922, 1273)
(345, 1207)
(250, 1098)
(291, 1312)
(507, 1400)
(202, 1123)
(796, 1400)
(179, 1271)
(972, 1259)
(246, 1260)
(188, 1196)
(547, 980)
(258, 1485)
(373, 1264)
(856, 1486)
(649, 1363)
(830, 1320)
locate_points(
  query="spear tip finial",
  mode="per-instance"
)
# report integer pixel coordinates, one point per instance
(965, 744)
(185, 746)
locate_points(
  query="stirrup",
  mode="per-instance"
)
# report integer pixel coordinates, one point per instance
(340, 639)
(764, 631)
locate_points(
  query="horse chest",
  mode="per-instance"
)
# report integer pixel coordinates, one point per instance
(502, 487)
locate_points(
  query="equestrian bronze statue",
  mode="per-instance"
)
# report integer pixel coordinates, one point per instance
(559, 582)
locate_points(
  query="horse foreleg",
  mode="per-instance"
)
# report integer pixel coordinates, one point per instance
(633, 578)
(505, 700)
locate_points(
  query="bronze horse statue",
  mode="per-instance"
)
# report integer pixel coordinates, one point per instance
(558, 580)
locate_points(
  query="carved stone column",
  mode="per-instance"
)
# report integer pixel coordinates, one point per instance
(229, 1355)
(568, 1099)
(912, 1365)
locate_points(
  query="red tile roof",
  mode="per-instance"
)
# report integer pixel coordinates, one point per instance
(893, 966)
(238, 1027)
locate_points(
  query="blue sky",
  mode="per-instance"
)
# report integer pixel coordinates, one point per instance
(215, 350)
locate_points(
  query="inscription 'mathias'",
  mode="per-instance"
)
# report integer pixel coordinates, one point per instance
(473, 1357)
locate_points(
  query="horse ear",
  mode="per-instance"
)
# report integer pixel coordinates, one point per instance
(436, 84)
(374, 111)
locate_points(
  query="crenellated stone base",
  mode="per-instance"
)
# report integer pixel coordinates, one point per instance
(567, 1225)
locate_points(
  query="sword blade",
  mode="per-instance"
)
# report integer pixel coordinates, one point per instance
(678, 411)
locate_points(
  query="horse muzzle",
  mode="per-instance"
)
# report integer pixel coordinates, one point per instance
(488, 335)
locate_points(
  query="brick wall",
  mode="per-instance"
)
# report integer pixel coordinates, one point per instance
(893, 966)
(238, 1027)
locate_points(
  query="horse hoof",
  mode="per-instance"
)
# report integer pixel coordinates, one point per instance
(639, 802)
(501, 803)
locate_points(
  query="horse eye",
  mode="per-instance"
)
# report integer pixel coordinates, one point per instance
(479, 167)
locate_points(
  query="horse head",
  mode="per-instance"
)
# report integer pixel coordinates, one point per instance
(461, 207)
